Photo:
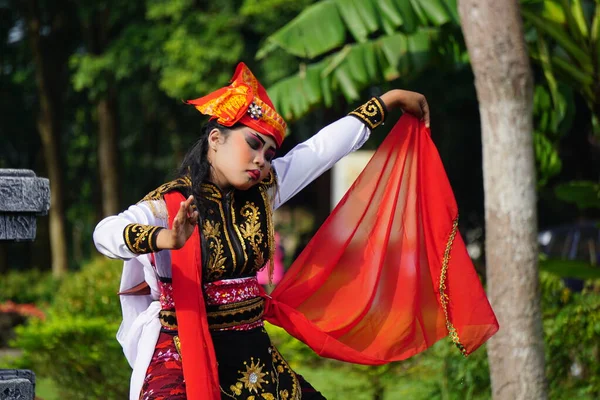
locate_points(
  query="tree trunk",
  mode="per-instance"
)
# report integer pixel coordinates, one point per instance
(108, 153)
(494, 36)
(107, 112)
(48, 123)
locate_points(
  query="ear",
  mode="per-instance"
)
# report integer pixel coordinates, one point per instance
(215, 137)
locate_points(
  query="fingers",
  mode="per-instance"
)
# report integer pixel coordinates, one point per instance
(425, 110)
(187, 212)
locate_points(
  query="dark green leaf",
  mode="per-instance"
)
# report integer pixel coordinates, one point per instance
(570, 268)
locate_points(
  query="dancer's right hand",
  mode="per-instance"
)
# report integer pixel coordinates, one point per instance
(183, 226)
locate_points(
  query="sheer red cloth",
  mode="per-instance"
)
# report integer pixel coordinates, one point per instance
(385, 277)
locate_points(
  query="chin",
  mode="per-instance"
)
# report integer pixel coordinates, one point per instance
(245, 185)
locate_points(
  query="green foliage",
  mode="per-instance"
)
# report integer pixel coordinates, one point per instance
(553, 112)
(323, 26)
(76, 345)
(582, 193)
(80, 354)
(23, 287)
(564, 40)
(389, 40)
(439, 373)
(91, 292)
(572, 331)
(570, 268)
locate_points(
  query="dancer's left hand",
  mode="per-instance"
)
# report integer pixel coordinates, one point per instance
(410, 102)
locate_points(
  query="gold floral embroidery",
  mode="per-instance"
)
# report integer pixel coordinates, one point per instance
(216, 259)
(239, 235)
(167, 187)
(270, 232)
(372, 113)
(251, 231)
(177, 345)
(252, 378)
(237, 388)
(280, 367)
(210, 190)
(212, 193)
(141, 239)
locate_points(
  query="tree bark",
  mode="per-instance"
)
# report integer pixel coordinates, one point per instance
(494, 36)
(108, 153)
(48, 123)
(107, 114)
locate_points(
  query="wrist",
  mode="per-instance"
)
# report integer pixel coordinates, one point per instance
(394, 98)
(166, 239)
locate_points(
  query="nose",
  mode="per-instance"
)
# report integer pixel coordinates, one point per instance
(259, 160)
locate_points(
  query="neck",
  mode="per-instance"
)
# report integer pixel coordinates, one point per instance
(219, 180)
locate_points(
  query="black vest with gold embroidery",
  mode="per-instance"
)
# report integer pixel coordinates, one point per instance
(236, 231)
(236, 228)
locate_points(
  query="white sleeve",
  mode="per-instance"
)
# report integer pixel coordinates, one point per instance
(309, 159)
(108, 235)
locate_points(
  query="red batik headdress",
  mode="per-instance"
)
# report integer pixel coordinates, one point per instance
(244, 101)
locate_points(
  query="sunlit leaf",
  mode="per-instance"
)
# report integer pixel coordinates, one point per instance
(562, 38)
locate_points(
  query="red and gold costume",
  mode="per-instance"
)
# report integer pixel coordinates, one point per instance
(384, 278)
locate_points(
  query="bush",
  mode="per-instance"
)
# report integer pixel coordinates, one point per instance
(79, 354)
(91, 292)
(28, 287)
(76, 345)
(439, 373)
(572, 333)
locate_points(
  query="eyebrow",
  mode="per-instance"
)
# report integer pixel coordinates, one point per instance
(262, 140)
(259, 138)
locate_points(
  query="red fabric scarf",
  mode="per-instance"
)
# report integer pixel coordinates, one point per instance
(385, 277)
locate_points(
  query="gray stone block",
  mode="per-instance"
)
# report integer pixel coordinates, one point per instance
(23, 196)
(25, 193)
(17, 384)
(16, 389)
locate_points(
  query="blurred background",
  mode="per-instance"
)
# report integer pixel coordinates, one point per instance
(91, 98)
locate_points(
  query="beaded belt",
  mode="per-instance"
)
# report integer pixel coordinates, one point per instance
(231, 304)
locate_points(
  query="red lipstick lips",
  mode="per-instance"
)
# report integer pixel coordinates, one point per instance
(254, 174)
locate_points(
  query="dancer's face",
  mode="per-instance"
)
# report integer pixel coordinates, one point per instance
(240, 158)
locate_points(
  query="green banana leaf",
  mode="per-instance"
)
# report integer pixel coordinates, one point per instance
(325, 26)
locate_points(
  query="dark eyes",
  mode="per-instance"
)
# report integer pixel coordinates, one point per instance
(256, 144)
(253, 143)
(270, 155)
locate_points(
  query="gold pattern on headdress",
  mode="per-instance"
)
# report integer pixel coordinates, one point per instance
(227, 105)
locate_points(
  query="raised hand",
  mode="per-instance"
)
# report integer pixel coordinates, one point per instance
(411, 102)
(184, 222)
(183, 226)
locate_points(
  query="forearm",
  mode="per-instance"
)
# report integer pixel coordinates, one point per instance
(395, 98)
(130, 233)
(165, 239)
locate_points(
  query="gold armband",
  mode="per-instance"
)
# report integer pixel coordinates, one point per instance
(372, 113)
(141, 239)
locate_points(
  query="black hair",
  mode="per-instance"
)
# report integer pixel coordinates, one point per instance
(195, 164)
